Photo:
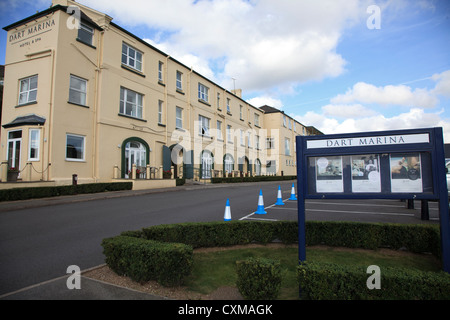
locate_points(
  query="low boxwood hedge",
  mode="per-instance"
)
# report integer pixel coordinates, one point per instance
(326, 281)
(144, 260)
(259, 278)
(54, 191)
(313, 278)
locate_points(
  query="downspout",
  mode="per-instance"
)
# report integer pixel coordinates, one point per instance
(42, 153)
(166, 67)
(95, 118)
(189, 99)
(50, 117)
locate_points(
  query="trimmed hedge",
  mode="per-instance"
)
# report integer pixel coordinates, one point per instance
(143, 260)
(220, 234)
(326, 281)
(259, 278)
(414, 238)
(132, 259)
(252, 179)
(54, 191)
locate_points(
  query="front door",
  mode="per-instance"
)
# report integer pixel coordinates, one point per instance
(135, 153)
(14, 146)
(207, 162)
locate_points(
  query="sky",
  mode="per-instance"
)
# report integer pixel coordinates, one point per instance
(342, 66)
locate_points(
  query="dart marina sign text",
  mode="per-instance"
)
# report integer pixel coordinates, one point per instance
(31, 31)
(368, 141)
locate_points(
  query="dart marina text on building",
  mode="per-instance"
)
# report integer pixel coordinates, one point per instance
(31, 31)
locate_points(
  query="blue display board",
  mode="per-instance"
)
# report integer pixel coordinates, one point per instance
(400, 164)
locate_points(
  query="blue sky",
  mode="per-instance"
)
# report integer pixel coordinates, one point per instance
(318, 61)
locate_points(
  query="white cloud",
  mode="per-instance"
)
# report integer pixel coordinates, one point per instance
(443, 83)
(347, 111)
(266, 100)
(342, 115)
(262, 44)
(399, 95)
(414, 118)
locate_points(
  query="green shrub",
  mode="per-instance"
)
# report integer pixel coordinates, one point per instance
(220, 234)
(180, 181)
(415, 238)
(259, 278)
(143, 260)
(54, 191)
(325, 281)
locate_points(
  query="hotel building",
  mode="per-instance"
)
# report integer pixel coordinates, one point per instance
(85, 97)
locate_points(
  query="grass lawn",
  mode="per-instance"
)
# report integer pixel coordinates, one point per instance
(214, 269)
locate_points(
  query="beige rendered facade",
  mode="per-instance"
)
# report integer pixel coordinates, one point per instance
(84, 96)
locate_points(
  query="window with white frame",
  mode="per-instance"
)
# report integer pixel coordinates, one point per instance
(131, 57)
(284, 121)
(77, 90)
(287, 146)
(219, 130)
(271, 166)
(249, 138)
(28, 90)
(242, 137)
(229, 136)
(179, 118)
(34, 143)
(270, 143)
(160, 71)
(290, 124)
(218, 100)
(241, 112)
(86, 34)
(130, 103)
(228, 163)
(203, 92)
(179, 81)
(203, 125)
(256, 119)
(75, 146)
(257, 144)
(160, 111)
(228, 105)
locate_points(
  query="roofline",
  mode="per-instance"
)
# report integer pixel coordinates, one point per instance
(34, 16)
(46, 12)
(180, 63)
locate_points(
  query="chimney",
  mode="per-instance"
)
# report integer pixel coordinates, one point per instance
(237, 92)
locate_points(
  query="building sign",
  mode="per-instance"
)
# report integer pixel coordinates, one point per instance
(31, 34)
(369, 141)
(401, 164)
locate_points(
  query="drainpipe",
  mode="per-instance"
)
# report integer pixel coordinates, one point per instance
(166, 102)
(50, 117)
(95, 120)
